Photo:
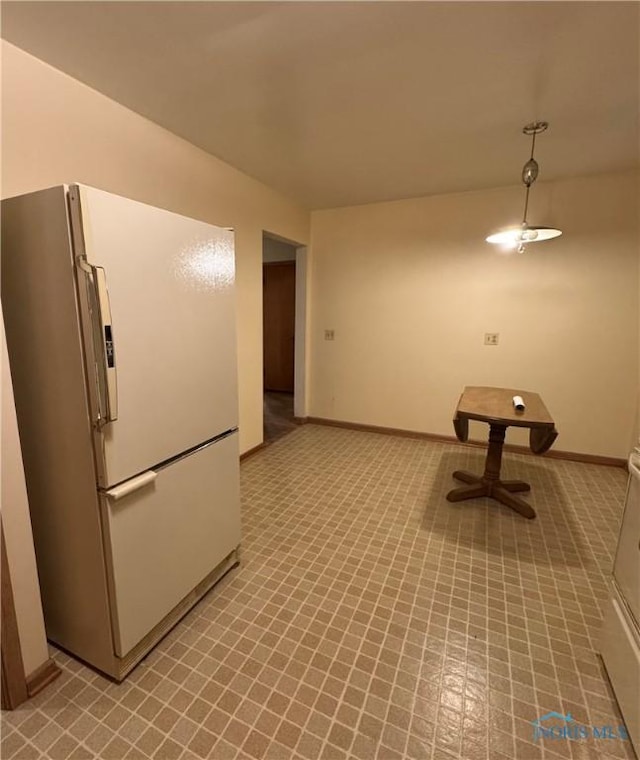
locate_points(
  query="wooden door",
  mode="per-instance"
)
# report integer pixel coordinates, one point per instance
(278, 312)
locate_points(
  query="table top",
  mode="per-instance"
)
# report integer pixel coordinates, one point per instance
(496, 405)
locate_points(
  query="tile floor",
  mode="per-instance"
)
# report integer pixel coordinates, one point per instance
(370, 619)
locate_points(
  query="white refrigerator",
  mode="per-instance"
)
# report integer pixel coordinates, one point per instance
(620, 635)
(120, 321)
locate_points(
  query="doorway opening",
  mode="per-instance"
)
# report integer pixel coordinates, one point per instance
(283, 320)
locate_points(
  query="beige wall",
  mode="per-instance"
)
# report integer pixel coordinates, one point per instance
(410, 288)
(17, 529)
(57, 130)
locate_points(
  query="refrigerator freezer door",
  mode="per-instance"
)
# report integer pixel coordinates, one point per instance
(167, 534)
(172, 333)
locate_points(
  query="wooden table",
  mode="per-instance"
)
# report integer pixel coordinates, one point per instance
(495, 407)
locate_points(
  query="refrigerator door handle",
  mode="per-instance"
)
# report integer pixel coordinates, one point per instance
(108, 382)
(108, 346)
(124, 489)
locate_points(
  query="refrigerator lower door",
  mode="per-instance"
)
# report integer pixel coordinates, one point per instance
(620, 650)
(626, 568)
(166, 533)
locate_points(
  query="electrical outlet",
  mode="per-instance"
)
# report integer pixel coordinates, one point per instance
(491, 339)
(329, 335)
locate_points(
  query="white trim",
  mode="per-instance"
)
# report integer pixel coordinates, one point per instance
(300, 404)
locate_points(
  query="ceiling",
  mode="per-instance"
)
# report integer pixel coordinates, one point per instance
(341, 103)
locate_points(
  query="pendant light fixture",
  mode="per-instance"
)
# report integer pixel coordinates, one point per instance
(520, 236)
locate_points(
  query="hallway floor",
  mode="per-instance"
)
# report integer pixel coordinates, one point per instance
(278, 415)
(370, 618)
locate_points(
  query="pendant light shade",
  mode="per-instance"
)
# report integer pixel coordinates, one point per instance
(525, 233)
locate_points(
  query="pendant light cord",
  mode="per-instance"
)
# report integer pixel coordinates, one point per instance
(533, 145)
(526, 206)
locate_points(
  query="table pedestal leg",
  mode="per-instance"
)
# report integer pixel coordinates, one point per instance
(490, 484)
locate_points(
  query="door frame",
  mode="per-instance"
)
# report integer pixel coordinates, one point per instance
(301, 339)
(14, 680)
(17, 686)
(300, 368)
